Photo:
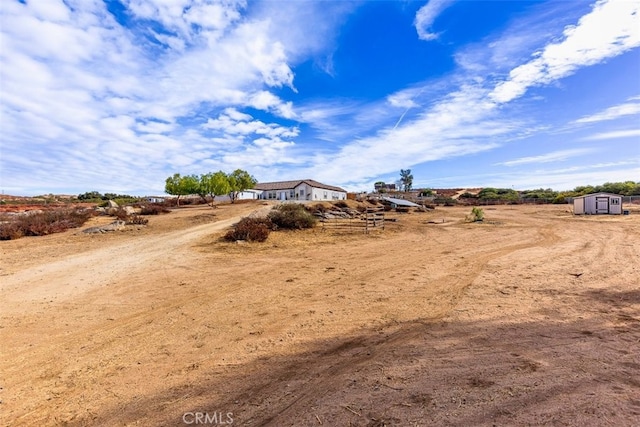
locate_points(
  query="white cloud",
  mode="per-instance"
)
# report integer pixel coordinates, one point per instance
(468, 120)
(458, 124)
(404, 99)
(426, 16)
(615, 135)
(266, 101)
(561, 180)
(609, 30)
(155, 127)
(75, 81)
(611, 113)
(234, 123)
(564, 178)
(236, 115)
(555, 156)
(172, 91)
(189, 19)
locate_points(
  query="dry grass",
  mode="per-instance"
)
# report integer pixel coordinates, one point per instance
(42, 223)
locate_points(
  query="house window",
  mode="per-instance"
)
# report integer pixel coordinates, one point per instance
(292, 194)
(615, 201)
(302, 192)
(325, 195)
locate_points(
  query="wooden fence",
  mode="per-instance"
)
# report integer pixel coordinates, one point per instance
(372, 219)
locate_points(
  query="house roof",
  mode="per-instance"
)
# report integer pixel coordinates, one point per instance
(287, 185)
(598, 194)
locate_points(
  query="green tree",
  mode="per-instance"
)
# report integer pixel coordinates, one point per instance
(239, 180)
(178, 185)
(406, 179)
(488, 193)
(584, 189)
(90, 195)
(214, 184)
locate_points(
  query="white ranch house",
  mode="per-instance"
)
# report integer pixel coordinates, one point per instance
(598, 203)
(304, 189)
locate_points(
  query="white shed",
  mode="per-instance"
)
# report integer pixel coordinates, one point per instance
(598, 203)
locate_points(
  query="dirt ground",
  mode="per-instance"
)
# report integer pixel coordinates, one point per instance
(529, 318)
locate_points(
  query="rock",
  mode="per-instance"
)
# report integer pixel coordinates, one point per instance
(101, 211)
(114, 226)
(129, 210)
(111, 204)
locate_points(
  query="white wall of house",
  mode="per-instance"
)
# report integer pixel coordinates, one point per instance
(249, 195)
(326, 194)
(287, 194)
(307, 192)
(303, 192)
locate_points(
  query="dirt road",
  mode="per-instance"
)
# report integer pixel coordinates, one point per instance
(530, 318)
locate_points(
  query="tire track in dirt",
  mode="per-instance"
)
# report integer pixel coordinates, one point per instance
(23, 293)
(97, 268)
(325, 367)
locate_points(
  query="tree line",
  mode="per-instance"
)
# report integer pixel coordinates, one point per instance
(625, 188)
(96, 195)
(210, 185)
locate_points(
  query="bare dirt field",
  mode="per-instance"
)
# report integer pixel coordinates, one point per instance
(530, 318)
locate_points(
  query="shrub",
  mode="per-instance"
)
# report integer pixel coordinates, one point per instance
(318, 207)
(291, 216)
(154, 209)
(447, 201)
(10, 230)
(477, 214)
(251, 230)
(43, 223)
(136, 220)
(121, 214)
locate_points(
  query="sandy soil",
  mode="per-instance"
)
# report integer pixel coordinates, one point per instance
(530, 318)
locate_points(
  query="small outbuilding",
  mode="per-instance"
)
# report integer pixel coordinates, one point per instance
(598, 204)
(399, 202)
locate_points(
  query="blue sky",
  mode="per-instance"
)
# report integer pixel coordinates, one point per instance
(117, 95)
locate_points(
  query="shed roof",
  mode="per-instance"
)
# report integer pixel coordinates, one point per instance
(286, 185)
(401, 202)
(598, 194)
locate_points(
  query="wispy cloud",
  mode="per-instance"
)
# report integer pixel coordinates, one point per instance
(565, 178)
(611, 113)
(561, 179)
(614, 135)
(77, 81)
(471, 118)
(191, 86)
(426, 16)
(616, 24)
(555, 156)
